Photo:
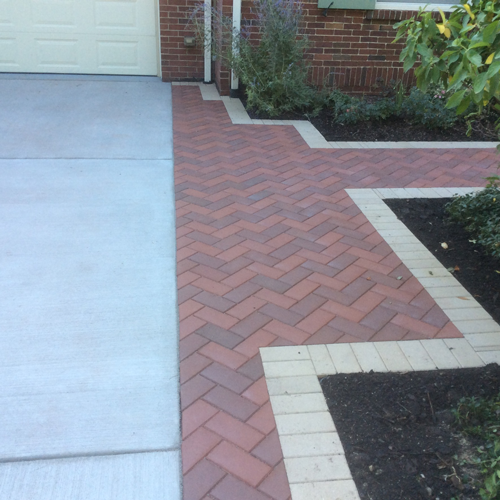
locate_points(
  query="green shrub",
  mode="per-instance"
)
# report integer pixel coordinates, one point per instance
(350, 110)
(480, 215)
(461, 52)
(426, 109)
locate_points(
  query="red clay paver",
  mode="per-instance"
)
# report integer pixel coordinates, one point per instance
(272, 251)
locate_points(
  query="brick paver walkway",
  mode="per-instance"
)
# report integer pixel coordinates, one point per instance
(272, 251)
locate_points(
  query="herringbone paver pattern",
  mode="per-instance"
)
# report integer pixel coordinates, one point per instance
(272, 251)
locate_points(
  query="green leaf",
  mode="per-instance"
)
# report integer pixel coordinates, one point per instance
(479, 44)
(490, 32)
(436, 73)
(400, 33)
(409, 62)
(474, 57)
(447, 54)
(455, 99)
(423, 50)
(462, 107)
(459, 76)
(477, 98)
(466, 29)
(494, 84)
(441, 65)
(493, 69)
(480, 82)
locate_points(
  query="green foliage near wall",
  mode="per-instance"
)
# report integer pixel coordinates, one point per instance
(460, 52)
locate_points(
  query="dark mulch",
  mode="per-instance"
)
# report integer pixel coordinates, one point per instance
(398, 431)
(393, 129)
(398, 129)
(478, 272)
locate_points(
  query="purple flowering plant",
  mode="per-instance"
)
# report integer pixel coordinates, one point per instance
(270, 60)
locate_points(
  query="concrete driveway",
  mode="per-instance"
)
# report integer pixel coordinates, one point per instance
(88, 321)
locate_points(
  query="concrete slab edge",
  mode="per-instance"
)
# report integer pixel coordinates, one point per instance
(313, 454)
(311, 135)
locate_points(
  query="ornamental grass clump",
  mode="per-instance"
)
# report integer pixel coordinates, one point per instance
(271, 60)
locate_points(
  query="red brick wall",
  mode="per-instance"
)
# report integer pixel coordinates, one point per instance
(349, 48)
(178, 63)
(352, 48)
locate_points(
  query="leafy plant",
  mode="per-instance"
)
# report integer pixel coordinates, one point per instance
(480, 214)
(418, 107)
(481, 418)
(428, 109)
(461, 52)
(272, 65)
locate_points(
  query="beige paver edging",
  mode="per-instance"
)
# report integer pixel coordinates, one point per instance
(313, 454)
(314, 457)
(311, 135)
(475, 324)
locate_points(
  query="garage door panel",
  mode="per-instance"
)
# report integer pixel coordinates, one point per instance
(52, 54)
(87, 16)
(53, 14)
(9, 55)
(83, 54)
(6, 13)
(78, 36)
(116, 15)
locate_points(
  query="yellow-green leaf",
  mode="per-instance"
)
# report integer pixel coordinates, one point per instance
(441, 28)
(467, 8)
(490, 58)
(447, 32)
(443, 17)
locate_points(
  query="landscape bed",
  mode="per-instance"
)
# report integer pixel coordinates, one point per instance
(392, 129)
(398, 432)
(399, 129)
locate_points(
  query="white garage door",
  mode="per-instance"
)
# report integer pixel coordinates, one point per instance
(79, 36)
